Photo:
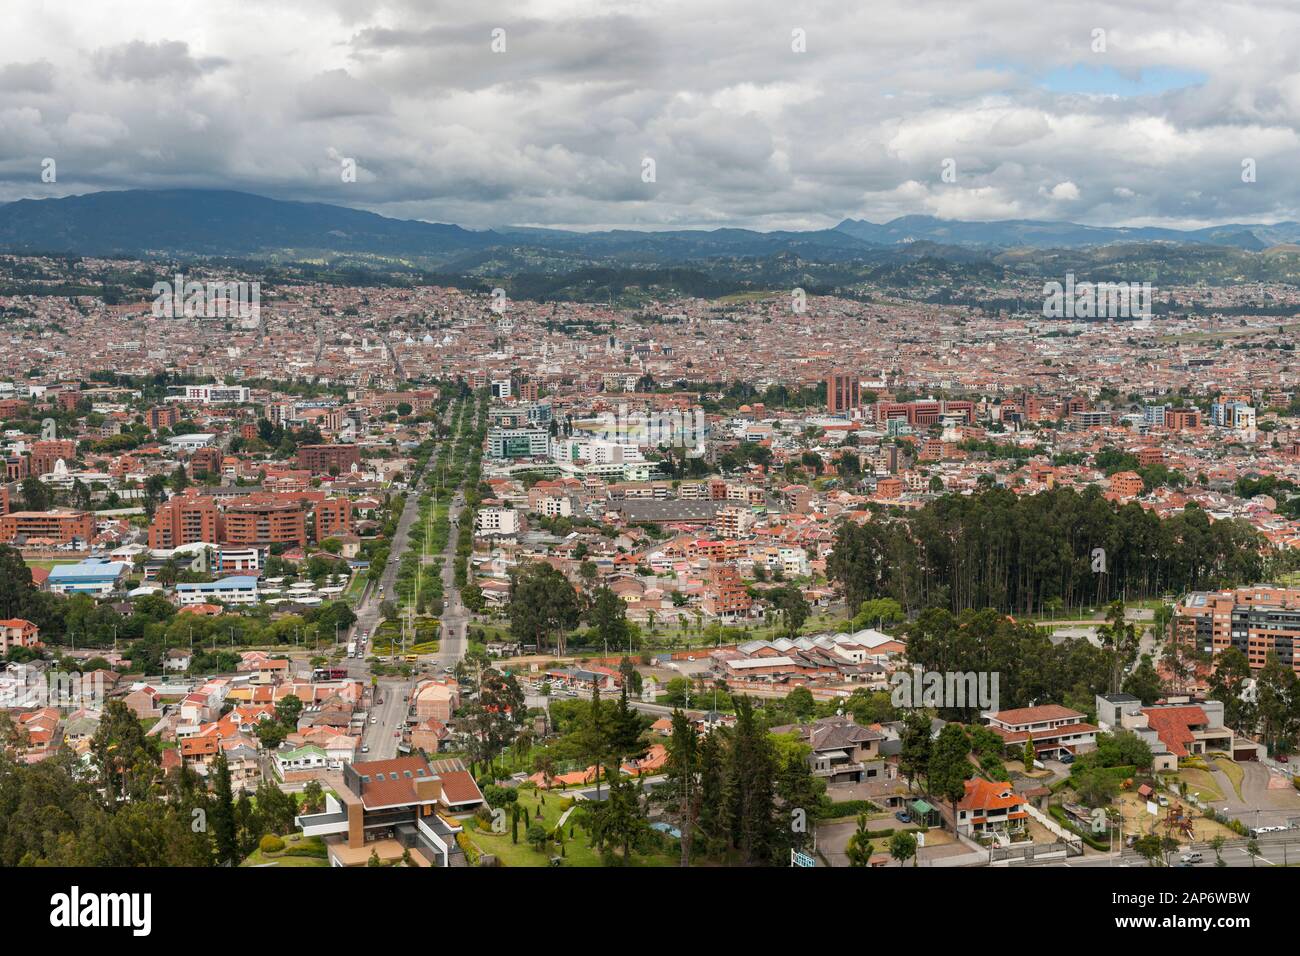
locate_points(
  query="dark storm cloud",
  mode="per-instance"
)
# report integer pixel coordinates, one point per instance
(167, 59)
(36, 77)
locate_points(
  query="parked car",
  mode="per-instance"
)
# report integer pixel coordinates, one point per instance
(365, 748)
(374, 720)
(902, 816)
(1067, 758)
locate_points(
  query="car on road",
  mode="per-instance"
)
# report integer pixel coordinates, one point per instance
(365, 748)
(1193, 857)
(691, 659)
(397, 733)
(374, 720)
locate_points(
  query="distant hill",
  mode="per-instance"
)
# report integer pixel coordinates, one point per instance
(194, 223)
(216, 223)
(1013, 233)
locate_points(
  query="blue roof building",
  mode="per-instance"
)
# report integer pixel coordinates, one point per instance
(94, 576)
(236, 589)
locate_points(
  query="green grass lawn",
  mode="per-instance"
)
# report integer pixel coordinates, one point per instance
(1232, 771)
(576, 850)
(258, 858)
(34, 563)
(1201, 784)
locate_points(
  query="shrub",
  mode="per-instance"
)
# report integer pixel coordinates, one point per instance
(849, 808)
(316, 850)
(271, 844)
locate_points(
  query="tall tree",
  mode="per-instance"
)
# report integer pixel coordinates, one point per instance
(590, 739)
(949, 766)
(751, 775)
(681, 779)
(543, 605)
(608, 616)
(859, 848)
(225, 835)
(916, 746)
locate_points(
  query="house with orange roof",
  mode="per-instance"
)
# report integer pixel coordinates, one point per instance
(653, 762)
(18, 632)
(990, 805)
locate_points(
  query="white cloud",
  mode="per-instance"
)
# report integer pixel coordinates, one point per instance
(249, 95)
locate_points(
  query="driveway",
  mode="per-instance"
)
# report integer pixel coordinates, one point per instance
(1267, 798)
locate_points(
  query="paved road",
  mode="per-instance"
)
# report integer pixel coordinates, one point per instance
(455, 617)
(382, 736)
(1271, 854)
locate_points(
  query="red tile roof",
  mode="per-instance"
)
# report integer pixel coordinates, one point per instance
(983, 795)
(1173, 725)
(1034, 715)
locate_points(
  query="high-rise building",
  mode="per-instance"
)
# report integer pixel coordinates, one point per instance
(184, 519)
(843, 392)
(47, 453)
(1257, 621)
(321, 459)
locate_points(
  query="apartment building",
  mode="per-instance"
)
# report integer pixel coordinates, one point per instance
(264, 522)
(328, 459)
(502, 522)
(1182, 419)
(60, 525)
(184, 519)
(333, 517)
(17, 632)
(1127, 484)
(1256, 620)
(725, 595)
(46, 454)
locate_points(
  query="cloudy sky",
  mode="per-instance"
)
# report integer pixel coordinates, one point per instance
(1140, 112)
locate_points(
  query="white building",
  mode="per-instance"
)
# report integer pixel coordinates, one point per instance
(237, 589)
(496, 521)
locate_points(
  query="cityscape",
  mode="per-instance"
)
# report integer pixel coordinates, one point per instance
(648, 502)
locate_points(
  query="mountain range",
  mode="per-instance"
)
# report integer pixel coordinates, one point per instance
(181, 222)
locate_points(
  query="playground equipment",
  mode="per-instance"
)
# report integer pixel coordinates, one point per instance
(1176, 819)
